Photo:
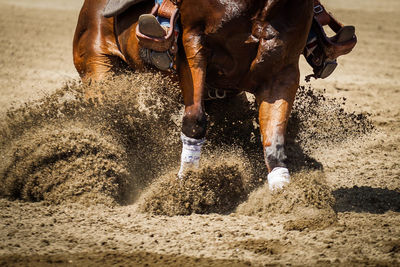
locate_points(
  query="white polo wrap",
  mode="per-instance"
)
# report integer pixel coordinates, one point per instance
(278, 178)
(191, 152)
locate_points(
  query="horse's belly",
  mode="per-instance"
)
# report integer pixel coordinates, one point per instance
(229, 61)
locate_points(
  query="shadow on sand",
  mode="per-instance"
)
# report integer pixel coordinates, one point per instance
(366, 199)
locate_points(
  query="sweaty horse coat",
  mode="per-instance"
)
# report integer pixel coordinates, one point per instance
(236, 45)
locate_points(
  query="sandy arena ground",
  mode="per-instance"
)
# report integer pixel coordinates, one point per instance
(362, 173)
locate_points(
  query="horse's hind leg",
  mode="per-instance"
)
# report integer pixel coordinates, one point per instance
(275, 104)
(95, 50)
(93, 68)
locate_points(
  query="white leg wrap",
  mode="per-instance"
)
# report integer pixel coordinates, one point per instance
(191, 152)
(278, 178)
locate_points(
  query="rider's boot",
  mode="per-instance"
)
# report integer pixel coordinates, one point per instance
(158, 34)
(150, 26)
(321, 51)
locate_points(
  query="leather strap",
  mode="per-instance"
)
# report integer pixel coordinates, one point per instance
(325, 18)
(167, 9)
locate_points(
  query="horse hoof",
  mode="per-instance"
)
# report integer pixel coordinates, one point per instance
(278, 178)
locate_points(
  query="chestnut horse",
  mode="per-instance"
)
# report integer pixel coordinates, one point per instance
(235, 45)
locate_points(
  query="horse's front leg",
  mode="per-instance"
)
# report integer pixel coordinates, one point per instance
(275, 103)
(191, 68)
